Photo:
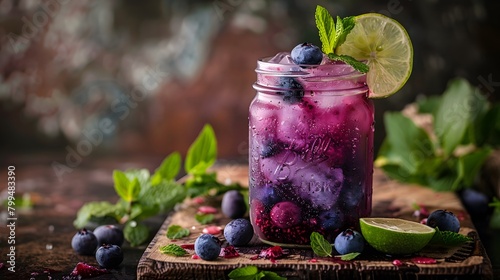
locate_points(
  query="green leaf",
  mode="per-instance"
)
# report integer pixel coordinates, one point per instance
(339, 30)
(455, 113)
(163, 196)
(270, 275)
(204, 218)
(202, 153)
(95, 209)
(326, 28)
(176, 232)
(320, 245)
(448, 238)
(428, 104)
(495, 217)
(407, 145)
(128, 190)
(470, 164)
(244, 272)
(173, 249)
(357, 65)
(350, 256)
(347, 24)
(135, 233)
(168, 169)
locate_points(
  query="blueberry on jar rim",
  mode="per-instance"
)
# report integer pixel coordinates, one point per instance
(307, 54)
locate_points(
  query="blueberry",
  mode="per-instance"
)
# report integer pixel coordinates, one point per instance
(475, 202)
(307, 53)
(294, 91)
(444, 220)
(270, 149)
(109, 234)
(266, 194)
(332, 219)
(109, 256)
(349, 241)
(84, 242)
(207, 247)
(233, 204)
(238, 232)
(286, 214)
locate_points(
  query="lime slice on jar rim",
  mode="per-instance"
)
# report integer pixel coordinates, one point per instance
(395, 236)
(386, 47)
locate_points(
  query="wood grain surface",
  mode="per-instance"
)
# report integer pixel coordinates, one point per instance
(390, 199)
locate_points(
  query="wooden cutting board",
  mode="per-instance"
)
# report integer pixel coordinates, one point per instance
(390, 199)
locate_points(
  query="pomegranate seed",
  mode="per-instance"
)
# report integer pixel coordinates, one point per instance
(207, 210)
(199, 200)
(187, 246)
(397, 262)
(213, 230)
(423, 260)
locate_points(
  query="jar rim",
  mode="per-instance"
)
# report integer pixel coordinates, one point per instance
(332, 71)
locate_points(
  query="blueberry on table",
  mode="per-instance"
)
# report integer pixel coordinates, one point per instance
(293, 91)
(307, 53)
(109, 234)
(207, 247)
(233, 204)
(109, 256)
(444, 220)
(84, 242)
(349, 241)
(238, 232)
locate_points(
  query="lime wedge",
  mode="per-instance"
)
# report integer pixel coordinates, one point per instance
(395, 236)
(386, 47)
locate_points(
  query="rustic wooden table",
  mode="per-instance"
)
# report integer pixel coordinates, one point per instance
(43, 233)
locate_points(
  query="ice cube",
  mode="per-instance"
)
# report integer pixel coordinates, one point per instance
(287, 59)
(278, 57)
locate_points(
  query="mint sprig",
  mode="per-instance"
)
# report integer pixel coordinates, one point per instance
(448, 238)
(350, 256)
(333, 34)
(173, 249)
(176, 232)
(143, 196)
(320, 245)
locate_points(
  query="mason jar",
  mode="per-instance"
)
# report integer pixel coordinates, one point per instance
(310, 151)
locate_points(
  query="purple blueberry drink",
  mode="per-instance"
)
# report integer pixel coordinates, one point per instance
(311, 149)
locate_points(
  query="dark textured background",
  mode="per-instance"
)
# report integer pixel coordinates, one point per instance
(196, 59)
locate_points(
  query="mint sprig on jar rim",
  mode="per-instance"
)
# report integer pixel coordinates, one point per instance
(371, 43)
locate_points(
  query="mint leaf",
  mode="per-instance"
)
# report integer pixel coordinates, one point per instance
(202, 153)
(455, 114)
(348, 25)
(326, 28)
(204, 218)
(448, 238)
(135, 233)
(168, 169)
(470, 164)
(252, 273)
(162, 197)
(96, 209)
(176, 232)
(320, 245)
(357, 65)
(339, 30)
(270, 275)
(350, 256)
(246, 272)
(128, 190)
(173, 249)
